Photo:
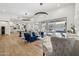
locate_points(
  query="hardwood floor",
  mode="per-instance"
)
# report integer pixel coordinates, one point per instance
(13, 45)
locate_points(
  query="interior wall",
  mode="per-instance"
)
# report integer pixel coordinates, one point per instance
(68, 11)
(76, 21)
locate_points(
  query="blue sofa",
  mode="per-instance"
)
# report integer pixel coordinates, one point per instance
(30, 37)
(42, 34)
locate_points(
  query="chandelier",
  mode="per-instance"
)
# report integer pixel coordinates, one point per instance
(41, 13)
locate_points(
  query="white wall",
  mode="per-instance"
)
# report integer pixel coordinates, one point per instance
(76, 21)
(68, 11)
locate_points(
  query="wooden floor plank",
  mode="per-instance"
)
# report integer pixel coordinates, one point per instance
(13, 45)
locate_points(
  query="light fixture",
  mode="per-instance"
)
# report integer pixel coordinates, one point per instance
(25, 13)
(58, 5)
(62, 22)
(41, 4)
(41, 13)
(25, 19)
(3, 10)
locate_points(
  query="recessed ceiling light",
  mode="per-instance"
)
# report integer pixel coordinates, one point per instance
(3, 10)
(58, 5)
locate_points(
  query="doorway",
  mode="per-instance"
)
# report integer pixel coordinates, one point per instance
(2, 30)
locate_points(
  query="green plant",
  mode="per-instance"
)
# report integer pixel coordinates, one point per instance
(72, 30)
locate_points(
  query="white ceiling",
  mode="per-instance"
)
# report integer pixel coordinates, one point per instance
(19, 9)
